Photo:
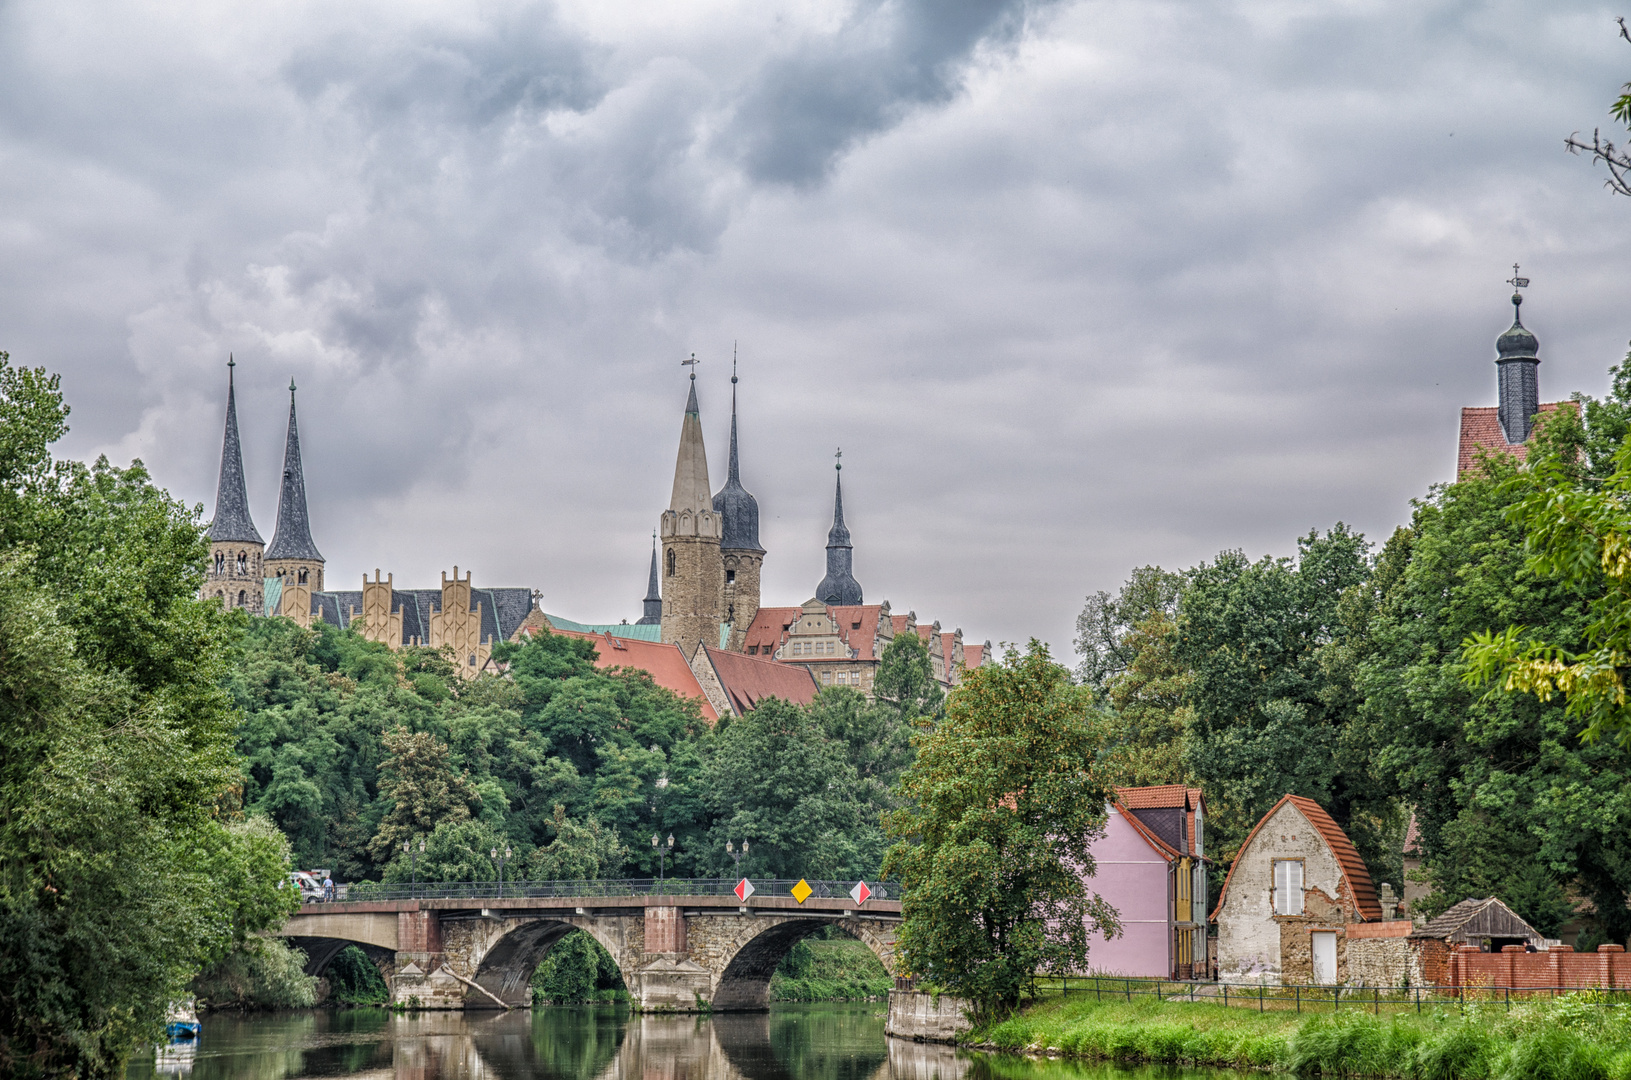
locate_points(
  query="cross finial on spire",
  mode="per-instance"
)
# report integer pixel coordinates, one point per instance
(692, 364)
(291, 388)
(1515, 281)
(733, 362)
(838, 459)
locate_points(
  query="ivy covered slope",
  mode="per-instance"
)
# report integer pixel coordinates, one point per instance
(125, 866)
(355, 750)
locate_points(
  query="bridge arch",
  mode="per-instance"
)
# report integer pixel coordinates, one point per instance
(507, 963)
(744, 983)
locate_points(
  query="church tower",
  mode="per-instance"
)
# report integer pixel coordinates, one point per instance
(292, 555)
(1517, 364)
(839, 587)
(742, 557)
(653, 614)
(692, 573)
(234, 574)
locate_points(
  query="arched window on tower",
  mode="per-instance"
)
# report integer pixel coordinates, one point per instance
(243, 563)
(302, 575)
(220, 562)
(243, 598)
(670, 562)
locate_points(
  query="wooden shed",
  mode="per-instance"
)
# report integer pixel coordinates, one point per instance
(1487, 924)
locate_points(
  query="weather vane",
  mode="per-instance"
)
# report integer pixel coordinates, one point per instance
(692, 364)
(839, 458)
(1515, 281)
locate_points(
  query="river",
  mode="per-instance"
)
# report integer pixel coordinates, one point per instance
(791, 1042)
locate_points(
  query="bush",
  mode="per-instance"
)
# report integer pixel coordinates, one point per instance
(577, 970)
(354, 980)
(263, 973)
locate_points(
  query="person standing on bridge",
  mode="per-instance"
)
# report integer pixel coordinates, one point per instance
(328, 887)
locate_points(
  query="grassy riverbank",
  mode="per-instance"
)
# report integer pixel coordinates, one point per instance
(1573, 1038)
(837, 969)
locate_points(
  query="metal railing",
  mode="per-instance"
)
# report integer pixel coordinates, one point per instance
(592, 890)
(1265, 997)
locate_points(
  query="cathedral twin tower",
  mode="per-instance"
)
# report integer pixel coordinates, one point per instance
(710, 558)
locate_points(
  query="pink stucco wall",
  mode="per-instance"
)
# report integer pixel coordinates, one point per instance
(1132, 876)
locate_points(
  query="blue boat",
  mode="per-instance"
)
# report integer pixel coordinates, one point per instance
(181, 1022)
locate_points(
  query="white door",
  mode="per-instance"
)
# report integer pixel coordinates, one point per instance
(1325, 957)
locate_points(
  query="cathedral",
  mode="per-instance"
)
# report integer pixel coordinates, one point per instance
(702, 599)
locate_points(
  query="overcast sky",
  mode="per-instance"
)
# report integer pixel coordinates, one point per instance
(1077, 286)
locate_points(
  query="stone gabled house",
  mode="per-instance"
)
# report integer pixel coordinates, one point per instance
(1290, 895)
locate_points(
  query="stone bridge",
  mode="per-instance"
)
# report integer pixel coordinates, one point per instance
(676, 953)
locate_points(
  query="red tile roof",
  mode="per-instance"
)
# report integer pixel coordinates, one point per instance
(860, 638)
(973, 656)
(664, 662)
(748, 680)
(766, 629)
(1143, 798)
(1360, 886)
(1481, 428)
(1412, 837)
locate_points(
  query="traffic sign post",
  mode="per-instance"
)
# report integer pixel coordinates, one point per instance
(743, 890)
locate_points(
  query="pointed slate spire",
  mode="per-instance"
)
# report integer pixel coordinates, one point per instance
(738, 508)
(691, 465)
(232, 523)
(654, 599)
(292, 539)
(839, 587)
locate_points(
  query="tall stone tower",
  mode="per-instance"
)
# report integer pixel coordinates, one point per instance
(653, 613)
(739, 549)
(234, 574)
(292, 555)
(693, 575)
(1517, 364)
(839, 587)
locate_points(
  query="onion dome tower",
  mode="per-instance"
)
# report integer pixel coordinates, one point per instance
(693, 576)
(1517, 363)
(653, 602)
(743, 558)
(292, 555)
(234, 574)
(839, 587)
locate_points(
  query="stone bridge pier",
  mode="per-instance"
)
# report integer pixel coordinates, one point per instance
(680, 954)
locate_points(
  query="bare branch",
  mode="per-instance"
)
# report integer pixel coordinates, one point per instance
(1617, 160)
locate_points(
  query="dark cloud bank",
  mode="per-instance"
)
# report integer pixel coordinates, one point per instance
(1077, 286)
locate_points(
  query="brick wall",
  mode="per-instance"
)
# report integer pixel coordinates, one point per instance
(1557, 967)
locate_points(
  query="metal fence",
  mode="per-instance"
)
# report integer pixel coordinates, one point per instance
(1333, 999)
(590, 890)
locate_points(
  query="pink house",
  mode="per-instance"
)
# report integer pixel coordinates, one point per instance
(1150, 866)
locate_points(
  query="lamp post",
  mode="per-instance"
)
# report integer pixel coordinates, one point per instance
(662, 854)
(413, 864)
(501, 859)
(737, 856)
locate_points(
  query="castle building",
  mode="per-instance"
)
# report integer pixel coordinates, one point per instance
(1505, 428)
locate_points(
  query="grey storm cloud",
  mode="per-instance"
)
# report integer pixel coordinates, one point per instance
(1077, 285)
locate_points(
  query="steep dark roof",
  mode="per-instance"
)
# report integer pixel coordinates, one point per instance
(738, 509)
(502, 610)
(839, 587)
(232, 523)
(653, 602)
(292, 538)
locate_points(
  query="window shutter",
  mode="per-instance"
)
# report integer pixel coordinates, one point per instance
(1281, 886)
(1294, 888)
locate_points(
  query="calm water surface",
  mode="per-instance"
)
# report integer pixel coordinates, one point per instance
(791, 1042)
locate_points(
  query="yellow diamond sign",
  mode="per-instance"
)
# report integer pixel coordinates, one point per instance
(802, 891)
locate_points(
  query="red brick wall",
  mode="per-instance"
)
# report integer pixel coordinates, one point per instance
(1435, 962)
(1513, 967)
(665, 930)
(418, 931)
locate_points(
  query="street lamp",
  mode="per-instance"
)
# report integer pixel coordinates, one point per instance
(657, 846)
(737, 856)
(501, 859)
(413, 864)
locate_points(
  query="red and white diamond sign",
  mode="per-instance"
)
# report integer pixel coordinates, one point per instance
(861, 892)
(744, 889)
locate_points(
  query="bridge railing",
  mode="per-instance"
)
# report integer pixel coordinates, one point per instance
(619, 887)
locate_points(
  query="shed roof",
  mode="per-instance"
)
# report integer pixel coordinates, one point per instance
(1477, 919)
(1360, 886)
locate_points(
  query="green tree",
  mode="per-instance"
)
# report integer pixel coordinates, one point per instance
(905, 679)
(577, 852)
(777, 780)
(993, 842)
(1269, 717)
(426, 794)
(120, 874)
(1107, 627)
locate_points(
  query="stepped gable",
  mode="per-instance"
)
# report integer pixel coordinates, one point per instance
(664, 662)
(232, 523)
(502, 610)
(748, 680)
